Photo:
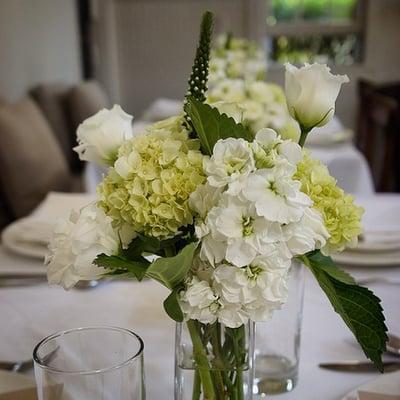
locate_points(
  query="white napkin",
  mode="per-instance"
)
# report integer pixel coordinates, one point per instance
(30, 236)
(162, 108)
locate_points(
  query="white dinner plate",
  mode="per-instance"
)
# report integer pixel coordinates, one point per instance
(388, 383)
(381, 236)
(10, 381)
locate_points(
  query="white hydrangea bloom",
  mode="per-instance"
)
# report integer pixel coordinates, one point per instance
(238, 232)
(276, 196)
(100, 136)
(308, 234)
(199, 301)
(201, 201)
(76, 243)
(252, 219)
(231, 159)
(232, 90)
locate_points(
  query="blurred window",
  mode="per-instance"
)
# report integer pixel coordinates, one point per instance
(315, 31)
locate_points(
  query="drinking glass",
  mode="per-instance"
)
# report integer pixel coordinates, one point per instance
(277, 342)
(90, 363)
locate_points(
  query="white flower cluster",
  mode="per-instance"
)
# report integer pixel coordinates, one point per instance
(76, 243)
(236, 58)
(261, 104)
(252, 219)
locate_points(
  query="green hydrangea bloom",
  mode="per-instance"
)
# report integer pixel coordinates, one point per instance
(342, 217)
(150, 183)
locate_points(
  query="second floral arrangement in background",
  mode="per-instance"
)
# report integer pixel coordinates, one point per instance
(223, 205)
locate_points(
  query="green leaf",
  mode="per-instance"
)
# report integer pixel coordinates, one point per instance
(172, 307)
(171, 271)
(210, 125)
(317, 259)
(149, 245)
(120, 265)
(199, 75)
(359, 308)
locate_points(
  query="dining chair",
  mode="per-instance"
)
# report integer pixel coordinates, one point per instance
(378, 132)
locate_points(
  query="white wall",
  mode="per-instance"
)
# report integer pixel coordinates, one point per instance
(39, 42)
(153, 43)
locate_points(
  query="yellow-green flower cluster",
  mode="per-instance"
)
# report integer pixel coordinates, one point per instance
(342, 217)
(152, 179)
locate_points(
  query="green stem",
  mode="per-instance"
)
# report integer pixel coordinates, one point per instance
(201, 360)
(169, 251)
(237, 343)
(196, 386)
(303, 136)
(220, 361)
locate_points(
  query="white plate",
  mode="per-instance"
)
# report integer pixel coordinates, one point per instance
(386, 384)
(381, 223)
(10, 381)
(378, 259)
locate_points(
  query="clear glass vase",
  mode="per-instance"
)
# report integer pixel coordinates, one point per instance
(213, 362)
(277, 342)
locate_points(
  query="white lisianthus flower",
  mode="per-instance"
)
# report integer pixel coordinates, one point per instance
(76, 243)
(276, 195)
(100, 136)
(199, 302)
(231, 159)
(311, 93)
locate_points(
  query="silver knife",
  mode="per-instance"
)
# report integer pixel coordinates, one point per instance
(360, 366)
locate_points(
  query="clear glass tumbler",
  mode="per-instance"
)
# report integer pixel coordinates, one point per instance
(90, 363)
(277, 343)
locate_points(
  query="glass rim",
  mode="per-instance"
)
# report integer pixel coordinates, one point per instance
(38, 361)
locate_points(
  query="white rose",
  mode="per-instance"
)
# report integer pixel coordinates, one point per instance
(311, 93)
(76, 243)
(100, 136)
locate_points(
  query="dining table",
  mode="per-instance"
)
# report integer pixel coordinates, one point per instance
(30, 313)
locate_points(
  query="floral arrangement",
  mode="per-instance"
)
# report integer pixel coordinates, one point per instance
(223, 211)
(255, 104)
(236, 58)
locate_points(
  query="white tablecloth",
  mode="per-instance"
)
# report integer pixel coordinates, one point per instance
(348, 166)
(28, 314)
